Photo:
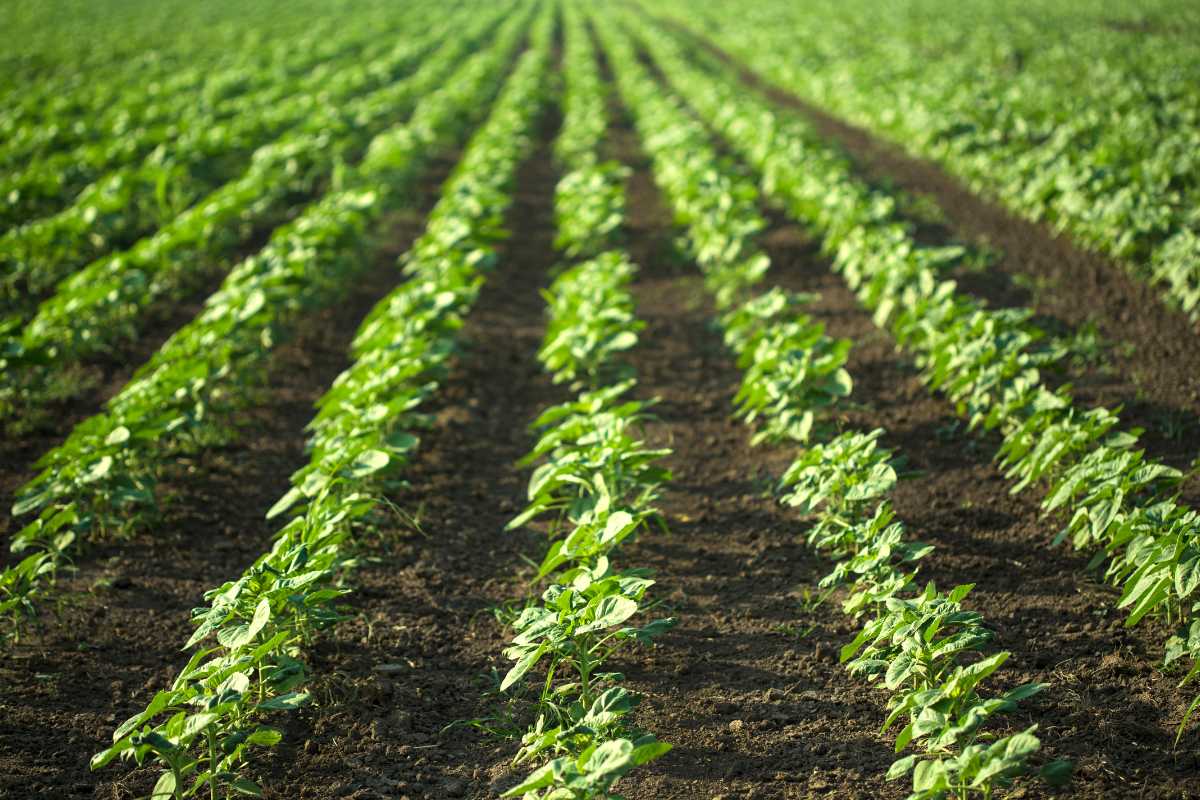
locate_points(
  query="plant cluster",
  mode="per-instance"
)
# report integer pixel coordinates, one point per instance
(202, 730)
(921, 644)
(67, 158)
(1117, 502)
(597, 482)
(105, 86)
(104, 475)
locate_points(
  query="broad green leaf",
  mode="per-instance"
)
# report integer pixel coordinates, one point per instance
(285, 702)
(540, 778)
(901, 767)
(645, 753)
(105, 756)
(119, 435)
(198, 722)
(165, 787)
(369, 462)
(610, 611)
(1187, 577)
(265, 737)
(99, 469)
(247, 787)
(610, 757)
(262, 615)
(284, 503)
(522, 666)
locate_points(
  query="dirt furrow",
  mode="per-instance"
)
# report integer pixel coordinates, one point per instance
(747, 687)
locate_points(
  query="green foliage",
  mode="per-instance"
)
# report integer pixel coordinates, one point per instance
(1104, 147)
(105, 303)
(106, 471)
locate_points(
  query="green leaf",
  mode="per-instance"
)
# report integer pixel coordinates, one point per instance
(901, 767)
(644, 753)
(960, 592)
(613, 756)
(198, 722)
(262, 615)
(165, 788)
(285, 702)
(623, 340)
(615, 525)
(368, 463)
(540, 778)
(247, 787)
(285, 502)
(610, 611)
(104, 756)
(254, 303)
(119, 435)
(1187, 577)
(27, 503)
(265, 737)
(99, 469)
(523, 665)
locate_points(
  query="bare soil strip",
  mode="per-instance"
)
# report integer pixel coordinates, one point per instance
(752, 709)
(1107, 708)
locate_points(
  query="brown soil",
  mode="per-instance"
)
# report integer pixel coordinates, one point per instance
(752, 708)
(1150, 363)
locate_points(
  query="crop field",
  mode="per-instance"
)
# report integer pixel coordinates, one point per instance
(559, 400)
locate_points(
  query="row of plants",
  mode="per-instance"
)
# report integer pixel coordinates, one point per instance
(51, 117)
(1116, 501)
(105, 303)
(102, 480)
(927, 650)
(1060, 116)
(589, 203)
(594, 486)
(133, 200)
(249, 641)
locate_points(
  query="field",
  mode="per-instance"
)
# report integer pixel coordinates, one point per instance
(562, 400)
